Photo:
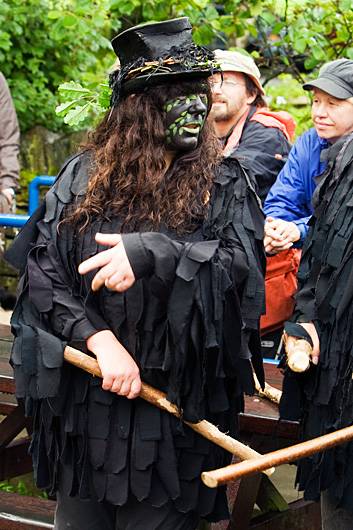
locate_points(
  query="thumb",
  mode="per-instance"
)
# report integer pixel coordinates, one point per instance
(108, 239)
(269, 219)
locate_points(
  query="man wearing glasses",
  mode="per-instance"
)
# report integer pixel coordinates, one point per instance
(258, 140)
(250, 132)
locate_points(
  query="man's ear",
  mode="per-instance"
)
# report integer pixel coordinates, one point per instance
(251, 98)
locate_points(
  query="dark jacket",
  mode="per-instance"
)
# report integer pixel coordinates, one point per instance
(325, 296)
(9, 139)
(262, 151)
(190, 321)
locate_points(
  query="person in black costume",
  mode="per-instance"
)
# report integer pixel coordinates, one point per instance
(323, 397)
(176, 303)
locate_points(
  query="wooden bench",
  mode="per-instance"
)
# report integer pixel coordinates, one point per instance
(17, 512)
(259, 426)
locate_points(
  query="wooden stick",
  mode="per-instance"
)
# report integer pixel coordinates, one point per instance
(298, 353)
(212, 479)
(158, 398)
(269, 392)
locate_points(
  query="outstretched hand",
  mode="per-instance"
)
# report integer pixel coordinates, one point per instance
(115, 271)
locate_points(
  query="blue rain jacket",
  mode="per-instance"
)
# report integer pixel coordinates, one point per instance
(290, 196)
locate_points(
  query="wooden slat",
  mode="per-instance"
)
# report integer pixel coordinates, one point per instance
(12, 425)
(7, 385)
(18, 512)
(7, 404)
(302, 515)
(6, 408)
(243, 506)
(269, 499)
(15, 460)
(6, 380)
(259, 424)
(273, 375)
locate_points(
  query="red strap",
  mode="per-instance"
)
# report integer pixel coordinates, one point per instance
(281, 120)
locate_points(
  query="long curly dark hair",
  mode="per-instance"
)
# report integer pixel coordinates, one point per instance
(129, 176)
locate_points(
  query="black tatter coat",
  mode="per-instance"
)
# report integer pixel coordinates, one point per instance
(190, 321)
(325, 296)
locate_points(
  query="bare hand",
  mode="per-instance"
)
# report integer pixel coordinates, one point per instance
(115, 270)
(279, 235)
(311, 329)
(119, 370)
(9, 194)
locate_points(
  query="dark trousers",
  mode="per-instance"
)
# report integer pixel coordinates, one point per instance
(75, 514)
(334, 518)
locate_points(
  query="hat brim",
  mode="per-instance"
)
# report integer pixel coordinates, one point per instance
(328, 86)
(140, 83)
(229, 67)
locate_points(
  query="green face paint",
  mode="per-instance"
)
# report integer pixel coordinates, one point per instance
(185, 118)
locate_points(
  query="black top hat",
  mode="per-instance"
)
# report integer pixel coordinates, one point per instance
(157, 53)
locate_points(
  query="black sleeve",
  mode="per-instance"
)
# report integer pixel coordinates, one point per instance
(262, 152)
(152, 252)
(215, 291)
(53, 294)
(50, 310)
(308, 273)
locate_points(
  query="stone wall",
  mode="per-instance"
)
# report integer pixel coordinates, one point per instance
(43, 152)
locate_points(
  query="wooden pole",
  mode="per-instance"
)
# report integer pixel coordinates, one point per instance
(212, 479)
(298, 352)
(269, 392)
(159, 399)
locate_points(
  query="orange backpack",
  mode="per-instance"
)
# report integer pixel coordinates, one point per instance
(280, 287)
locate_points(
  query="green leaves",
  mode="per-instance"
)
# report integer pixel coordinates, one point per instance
(81, 104)
(46, 44)
(73, 89)
(78, 114)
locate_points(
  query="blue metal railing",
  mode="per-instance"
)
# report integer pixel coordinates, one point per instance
(34, 191)
(13, 220)
(17, 221)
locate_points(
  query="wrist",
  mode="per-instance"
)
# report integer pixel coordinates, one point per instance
(95, 341)
(104, 344)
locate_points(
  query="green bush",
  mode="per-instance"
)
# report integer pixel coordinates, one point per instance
(44, 43)
(23, 485)
(286, 93)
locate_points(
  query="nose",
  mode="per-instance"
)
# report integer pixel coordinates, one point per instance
(319, 110)
(216, 87)
(199, 106)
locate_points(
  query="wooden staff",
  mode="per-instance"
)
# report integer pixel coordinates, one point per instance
(269, 392)
(212, 479)
(158, 398)
(298, 353)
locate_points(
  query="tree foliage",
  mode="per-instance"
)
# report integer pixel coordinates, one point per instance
(44, 44)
